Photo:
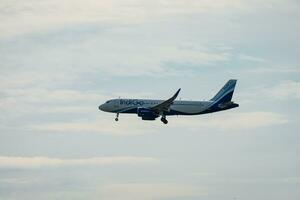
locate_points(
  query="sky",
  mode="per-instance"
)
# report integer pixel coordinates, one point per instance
(61, 59)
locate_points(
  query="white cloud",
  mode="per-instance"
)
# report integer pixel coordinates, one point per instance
(33, 15)
(231, 121)
(284, 90)
(25, 101)
(273, 69)
(59, 96)
(16, 104)
(127, 125)
(38, 77)
(152, 60)
(251, 58)
(134, 125)
(149, 191)
(118, 58)
(41, 162)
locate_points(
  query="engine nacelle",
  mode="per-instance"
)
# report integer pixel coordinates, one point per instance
(146, 114)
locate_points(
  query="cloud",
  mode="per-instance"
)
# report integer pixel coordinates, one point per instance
(18, 104)
(251, 58)
(150, 191)
(19, 17)
(58, 96)
(133, 125)
(127, 125)
(273, 69)
(25, 101)
(232, 121)
(119, 58)
(34, 76)
(284, 90)
(7, 162)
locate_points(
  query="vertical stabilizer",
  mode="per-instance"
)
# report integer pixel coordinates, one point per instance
(225, 94)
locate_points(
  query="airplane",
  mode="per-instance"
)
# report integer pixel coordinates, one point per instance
(149, 109)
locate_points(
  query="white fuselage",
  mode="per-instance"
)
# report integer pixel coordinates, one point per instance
(178, 107)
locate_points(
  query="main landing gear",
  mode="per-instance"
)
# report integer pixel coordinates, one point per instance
(117, 117)
(164, 120)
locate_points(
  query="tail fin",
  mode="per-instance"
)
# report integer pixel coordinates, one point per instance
(225, 94)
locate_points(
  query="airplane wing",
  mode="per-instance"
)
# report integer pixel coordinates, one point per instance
(164, 106)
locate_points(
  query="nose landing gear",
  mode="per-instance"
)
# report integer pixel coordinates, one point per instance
(164, 120)
(117, 117)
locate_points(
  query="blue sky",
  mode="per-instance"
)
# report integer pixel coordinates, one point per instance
(61, 59)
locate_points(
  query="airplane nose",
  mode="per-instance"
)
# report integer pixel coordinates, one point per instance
(100, 107)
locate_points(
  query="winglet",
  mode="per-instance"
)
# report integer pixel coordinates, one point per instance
(166, 104)
(176, 94)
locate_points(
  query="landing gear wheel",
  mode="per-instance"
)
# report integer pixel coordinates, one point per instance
(164, 120)
(117, 117)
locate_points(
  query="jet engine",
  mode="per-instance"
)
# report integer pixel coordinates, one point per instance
(146, 114)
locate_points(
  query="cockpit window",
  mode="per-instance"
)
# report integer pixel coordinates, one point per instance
(108, 101)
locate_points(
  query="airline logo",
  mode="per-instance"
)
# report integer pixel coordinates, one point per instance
(132, 102)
